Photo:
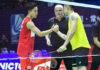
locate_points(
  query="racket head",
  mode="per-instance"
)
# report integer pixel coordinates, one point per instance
(53, 61)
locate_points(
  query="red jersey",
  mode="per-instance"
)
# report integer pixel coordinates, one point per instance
(26, 40)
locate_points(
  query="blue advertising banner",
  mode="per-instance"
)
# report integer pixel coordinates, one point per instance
(16, 21)
(7, 62)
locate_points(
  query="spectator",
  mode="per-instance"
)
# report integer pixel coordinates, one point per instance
(3, 43)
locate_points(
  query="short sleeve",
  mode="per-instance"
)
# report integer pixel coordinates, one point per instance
(50, 23)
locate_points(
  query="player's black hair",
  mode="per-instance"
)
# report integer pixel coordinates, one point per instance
(30, 5)
(72, 7)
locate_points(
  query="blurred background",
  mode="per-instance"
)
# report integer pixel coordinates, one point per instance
(11, 10)
(12, 13)
(6, 4)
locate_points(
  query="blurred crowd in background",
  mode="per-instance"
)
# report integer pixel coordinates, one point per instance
(11, 4)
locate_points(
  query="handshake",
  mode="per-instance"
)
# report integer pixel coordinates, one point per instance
(55, 28)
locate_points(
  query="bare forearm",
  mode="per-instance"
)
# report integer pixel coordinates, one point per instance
(68, 38)
(43, 33)
(47, 37)
(63, 36)
(54, 28)
(97, 43)
(48, 40)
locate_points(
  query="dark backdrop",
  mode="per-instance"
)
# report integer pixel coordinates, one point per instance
(41, 22)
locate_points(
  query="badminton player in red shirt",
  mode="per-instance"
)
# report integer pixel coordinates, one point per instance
(27, 36)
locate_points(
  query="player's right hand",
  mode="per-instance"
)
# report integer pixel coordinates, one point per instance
(56, 28)
(49, 43)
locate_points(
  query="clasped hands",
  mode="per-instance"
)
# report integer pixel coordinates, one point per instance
(63, 47)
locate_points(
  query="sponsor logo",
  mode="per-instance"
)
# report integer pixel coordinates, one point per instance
(16, 21)
(43, 68)
(10, 66)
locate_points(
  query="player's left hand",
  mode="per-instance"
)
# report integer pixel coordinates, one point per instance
(62, 49)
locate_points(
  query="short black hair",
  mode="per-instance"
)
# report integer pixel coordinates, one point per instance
(72, 7)
(31, 5)
(99, 13)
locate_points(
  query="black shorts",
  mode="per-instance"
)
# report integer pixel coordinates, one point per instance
(96, 59)
(95, 63)
(80, 61)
